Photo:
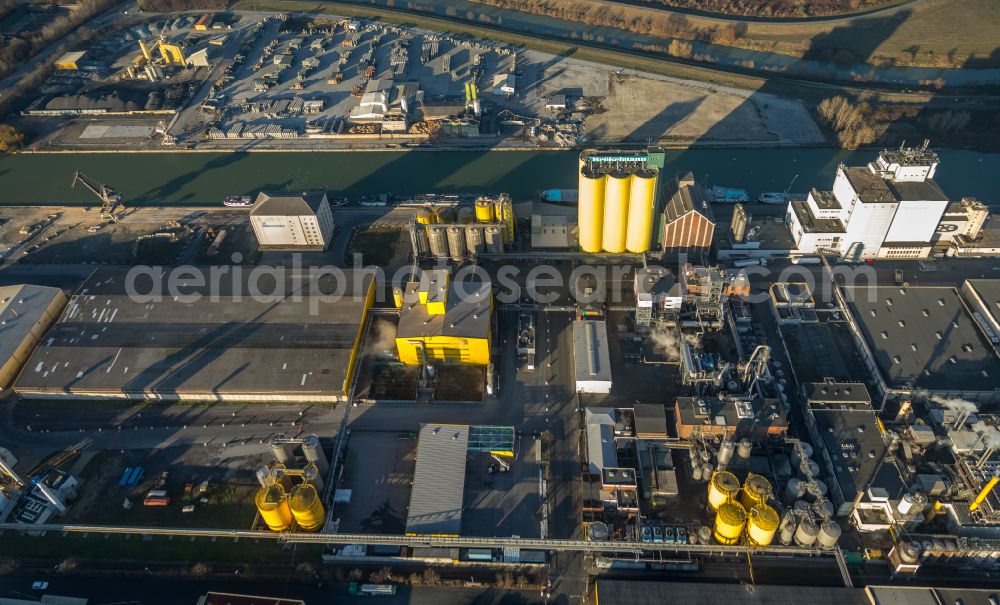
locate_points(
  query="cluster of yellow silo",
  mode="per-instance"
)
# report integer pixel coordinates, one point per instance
(279, 506)
(740, 510)
(615, 207)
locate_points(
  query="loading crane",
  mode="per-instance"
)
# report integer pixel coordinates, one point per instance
(111, 200)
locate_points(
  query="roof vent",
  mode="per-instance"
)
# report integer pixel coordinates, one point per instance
(926, 313)
(902, 324)
(885, 335)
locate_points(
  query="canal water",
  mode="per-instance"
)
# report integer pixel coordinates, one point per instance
(155, 179)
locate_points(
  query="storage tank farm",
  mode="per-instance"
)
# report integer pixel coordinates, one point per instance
(457, 231)
(617, 200)
(745, 511)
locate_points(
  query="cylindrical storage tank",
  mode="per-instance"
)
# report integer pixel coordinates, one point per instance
(475, 240)
(744, 448)
(821, 486)
(263, 475)
(809, 469)
(640, 211)
(795, 489)
(397, 297)
(726, 449)
(823, 508)
(722, 487)
(706, 471)
(762, 525)
(696, 472)
(306, 507)
(813, 491)
(729, 522)
(590, 210)
(484, 210)
(787, 529)
(926, 548)
(282, 450)
(704, 534)
(597, 531)
(756, 491)
(829, 533)
(311, 447)
(494, 240)
(806, 532)
(801, 451)
(802, 508)
(425, 216)
(466, 215)
(616, 197)
(437, 238)
(909, 552)
(446, 215)
(456, 243)
(273, 508)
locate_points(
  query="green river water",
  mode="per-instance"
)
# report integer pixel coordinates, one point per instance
(179, 178)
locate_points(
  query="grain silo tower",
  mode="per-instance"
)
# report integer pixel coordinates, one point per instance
(617, 200)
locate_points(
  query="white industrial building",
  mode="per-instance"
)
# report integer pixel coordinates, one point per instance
(890, 208)
(292, 222)
(592, 360)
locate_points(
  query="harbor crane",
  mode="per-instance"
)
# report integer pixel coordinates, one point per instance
(111, 200)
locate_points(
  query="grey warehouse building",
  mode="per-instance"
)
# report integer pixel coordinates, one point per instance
(923, 341)
(296, 341)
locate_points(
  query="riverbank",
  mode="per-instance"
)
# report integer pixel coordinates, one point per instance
(205, 179)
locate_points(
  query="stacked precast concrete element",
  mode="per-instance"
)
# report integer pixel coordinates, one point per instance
(617, 200)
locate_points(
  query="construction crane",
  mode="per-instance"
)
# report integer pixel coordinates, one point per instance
(111, 200)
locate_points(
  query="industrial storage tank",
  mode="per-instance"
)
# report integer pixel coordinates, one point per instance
(729, 522)
(445, 215)
(813, 491)
(696, 474)
(795, 489)
(806, 532)
(616, 200)
(744, 448)
(437, 239)
(726, 449)
(909, 552)
(829, 533)
(912, 503)
(704, 534)
(762, 525)
(494, 240)
(801, 451)
(787, 529)
(640, 211)
(723, 486)
(311, 447)
(466, 215)
(306, 507)
(397, 297)
(590, 210)
(425, 216)
(756, 491)
(273, 507)
(456, 243)
(475, 240)
(823, 508)
(808, 469)
(484, 210)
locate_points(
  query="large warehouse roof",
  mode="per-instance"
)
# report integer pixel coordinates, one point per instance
(592, 359)
(249, 337)
(924, 338)
(639, 592)
(25, 312)
(438, 481)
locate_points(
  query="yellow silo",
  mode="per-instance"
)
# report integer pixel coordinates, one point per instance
(397, 297)
(729, 522)
(762, 525)
(723, 487)
(640, 211)
(590, 210)
(425, 216)
(273, 507)
(484, 211)
(306, 507)
(756, 491)
(616, 194)
(466, 215)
